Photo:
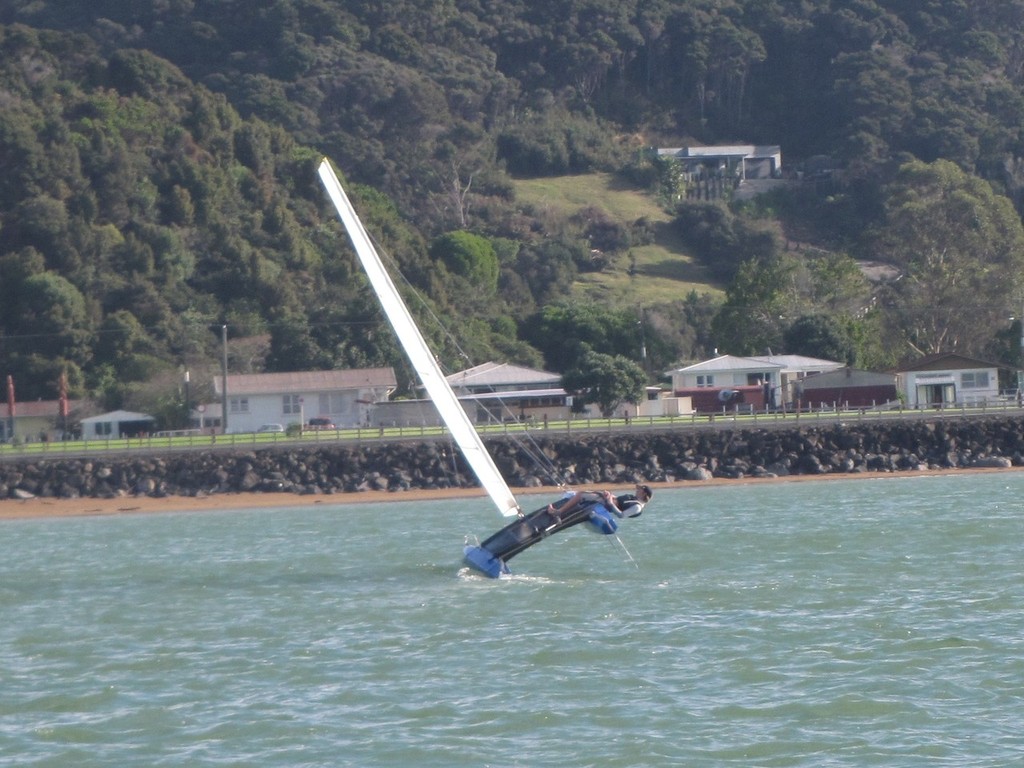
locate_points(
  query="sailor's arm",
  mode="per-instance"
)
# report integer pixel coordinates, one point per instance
(608, 499)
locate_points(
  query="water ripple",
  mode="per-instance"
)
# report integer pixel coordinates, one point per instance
(842, 624)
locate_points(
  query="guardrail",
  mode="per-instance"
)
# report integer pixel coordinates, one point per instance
(724, 419)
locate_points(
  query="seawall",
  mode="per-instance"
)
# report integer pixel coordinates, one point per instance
(602, 460)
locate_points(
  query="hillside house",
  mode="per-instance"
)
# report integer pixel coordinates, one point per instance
(739, 162)
(948, 379)
(345, 397)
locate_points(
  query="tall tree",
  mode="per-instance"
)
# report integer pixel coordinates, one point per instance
(960, 247)
(565, 333)
(751, 320)
(607, 380)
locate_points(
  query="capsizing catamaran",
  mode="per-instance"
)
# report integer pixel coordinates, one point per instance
(492, 556)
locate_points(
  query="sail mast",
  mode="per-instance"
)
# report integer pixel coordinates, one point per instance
(419, 353)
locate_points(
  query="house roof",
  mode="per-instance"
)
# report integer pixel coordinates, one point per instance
(500, 375)
(40, 408)
(120, 416)
(306, 381)
(946, 361)
(800, 362)
(725, 150)
(727, 363)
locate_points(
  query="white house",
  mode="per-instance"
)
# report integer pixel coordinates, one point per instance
(116, 424)
(724, 371)
(344, 397)
(758, 381)
(948, 379)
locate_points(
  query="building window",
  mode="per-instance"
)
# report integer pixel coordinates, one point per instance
(291, 404)
(974, 380)
(706, 381)
(238, 405)
(335, 403)
(104, 428)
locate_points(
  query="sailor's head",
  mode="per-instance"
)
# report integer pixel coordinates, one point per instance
(643, 492)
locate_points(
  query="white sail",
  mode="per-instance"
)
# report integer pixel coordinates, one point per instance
(419, 353)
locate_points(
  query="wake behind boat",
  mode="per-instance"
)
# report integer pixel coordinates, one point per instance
(492, 556)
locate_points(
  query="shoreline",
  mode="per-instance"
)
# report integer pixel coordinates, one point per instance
(45, 507)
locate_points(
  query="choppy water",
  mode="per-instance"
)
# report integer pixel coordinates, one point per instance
(847, 623)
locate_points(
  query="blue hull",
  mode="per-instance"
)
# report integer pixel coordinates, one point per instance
(485, 562)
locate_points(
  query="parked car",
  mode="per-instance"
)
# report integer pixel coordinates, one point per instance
(271, 428)
(320, 423)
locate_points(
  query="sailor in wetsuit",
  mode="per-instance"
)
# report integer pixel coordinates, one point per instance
(626, 505)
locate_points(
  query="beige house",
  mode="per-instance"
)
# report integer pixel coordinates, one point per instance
(346, 398)
(39, 420)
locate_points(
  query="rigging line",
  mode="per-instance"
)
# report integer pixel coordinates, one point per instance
(529, 446)
(629, 557)
(539, 458)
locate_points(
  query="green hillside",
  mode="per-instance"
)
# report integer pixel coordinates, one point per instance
(650, 274)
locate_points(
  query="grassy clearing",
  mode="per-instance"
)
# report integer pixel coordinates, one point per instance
(661, 272)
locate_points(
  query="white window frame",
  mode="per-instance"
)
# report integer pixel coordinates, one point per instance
(975, 380)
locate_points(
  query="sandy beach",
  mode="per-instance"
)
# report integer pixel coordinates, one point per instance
(14, 509)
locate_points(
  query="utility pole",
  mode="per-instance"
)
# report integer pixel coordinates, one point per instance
(224, 380)
(1020, 362)
(643, 340)
(188, 407)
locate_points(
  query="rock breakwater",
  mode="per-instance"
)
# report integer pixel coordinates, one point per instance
(601, 460)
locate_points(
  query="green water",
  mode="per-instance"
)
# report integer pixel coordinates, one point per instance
(847, 623)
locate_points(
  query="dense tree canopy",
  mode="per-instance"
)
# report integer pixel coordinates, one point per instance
(159, 178)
